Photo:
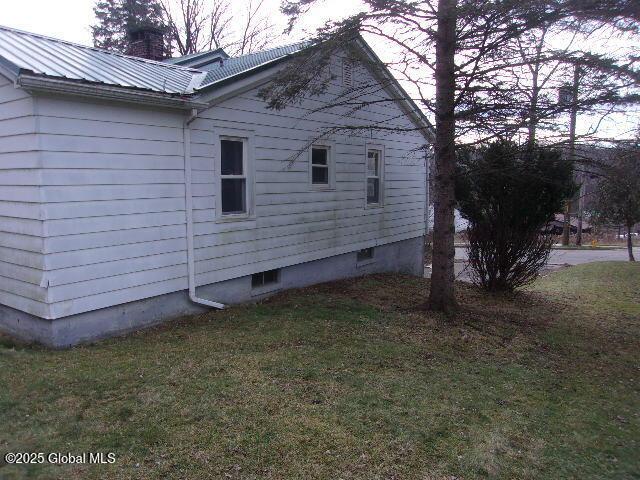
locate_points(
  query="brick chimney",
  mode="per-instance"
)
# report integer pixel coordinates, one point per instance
(146, 42)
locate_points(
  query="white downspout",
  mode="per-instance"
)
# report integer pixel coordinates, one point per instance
(186, 130)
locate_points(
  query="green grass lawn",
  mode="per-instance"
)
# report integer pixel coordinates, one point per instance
(350, 380)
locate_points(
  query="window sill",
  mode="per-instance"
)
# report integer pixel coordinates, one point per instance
(322, 188)
(374, 206)
(235, 218)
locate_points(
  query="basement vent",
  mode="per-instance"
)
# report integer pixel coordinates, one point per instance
(262, 279)
(365, 254)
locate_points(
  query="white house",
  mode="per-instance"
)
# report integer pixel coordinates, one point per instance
(134, 191)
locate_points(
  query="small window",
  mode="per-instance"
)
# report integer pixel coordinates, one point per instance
(263, 279)
(374, 175)
(233, 176)
(365, 254)
(320, 166)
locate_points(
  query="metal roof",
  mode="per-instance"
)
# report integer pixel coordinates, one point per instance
(23, 52)
(230, 67)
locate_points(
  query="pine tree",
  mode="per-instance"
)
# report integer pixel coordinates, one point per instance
(115, 18)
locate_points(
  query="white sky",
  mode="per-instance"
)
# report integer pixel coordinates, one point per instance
(70, 20)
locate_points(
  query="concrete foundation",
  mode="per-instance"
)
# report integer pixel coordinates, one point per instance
(405, 256)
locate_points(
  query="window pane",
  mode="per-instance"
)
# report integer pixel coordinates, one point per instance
(233, 195)
(231, 157)
(373, 190)
(320, 175)
(319, 156)
(373, 163)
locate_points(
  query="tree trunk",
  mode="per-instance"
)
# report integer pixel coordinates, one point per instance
(630, 244)
(566, 227)
(442, 295)
(580, 210)
(572, 145)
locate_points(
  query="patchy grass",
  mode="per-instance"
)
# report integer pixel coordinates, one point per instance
(350, 380)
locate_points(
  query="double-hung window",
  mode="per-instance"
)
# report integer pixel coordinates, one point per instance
(374, 176)
(233, 175)
(321, 170)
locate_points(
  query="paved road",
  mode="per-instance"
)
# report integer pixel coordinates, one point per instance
(572, 257)
(558, 258)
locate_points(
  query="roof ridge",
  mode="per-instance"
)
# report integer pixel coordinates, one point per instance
(101, 50)
(272, 48)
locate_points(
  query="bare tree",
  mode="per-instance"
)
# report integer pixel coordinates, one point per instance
(188, 26)
(219, 24)
(257, 31)
(200, 25)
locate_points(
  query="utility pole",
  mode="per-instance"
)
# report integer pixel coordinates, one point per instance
(572, 157)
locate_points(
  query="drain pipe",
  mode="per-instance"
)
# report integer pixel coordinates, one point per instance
(186, 130)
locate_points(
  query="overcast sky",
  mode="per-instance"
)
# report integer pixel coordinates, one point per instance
(70, 20)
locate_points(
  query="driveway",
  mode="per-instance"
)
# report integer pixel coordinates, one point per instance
(558, 259)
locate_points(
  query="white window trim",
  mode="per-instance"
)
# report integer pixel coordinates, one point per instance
(331, 163)
(381, 169)
(246, 136)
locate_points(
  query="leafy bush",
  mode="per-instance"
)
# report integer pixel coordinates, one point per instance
(508, 194)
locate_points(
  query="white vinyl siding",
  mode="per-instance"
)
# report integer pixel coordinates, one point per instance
(113, 198)
(101, 203)
(294, 222)
(22, 261)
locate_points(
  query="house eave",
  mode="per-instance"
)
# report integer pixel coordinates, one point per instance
(39, 84)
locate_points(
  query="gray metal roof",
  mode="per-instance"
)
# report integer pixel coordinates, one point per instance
(237, 65)
(23, 52)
